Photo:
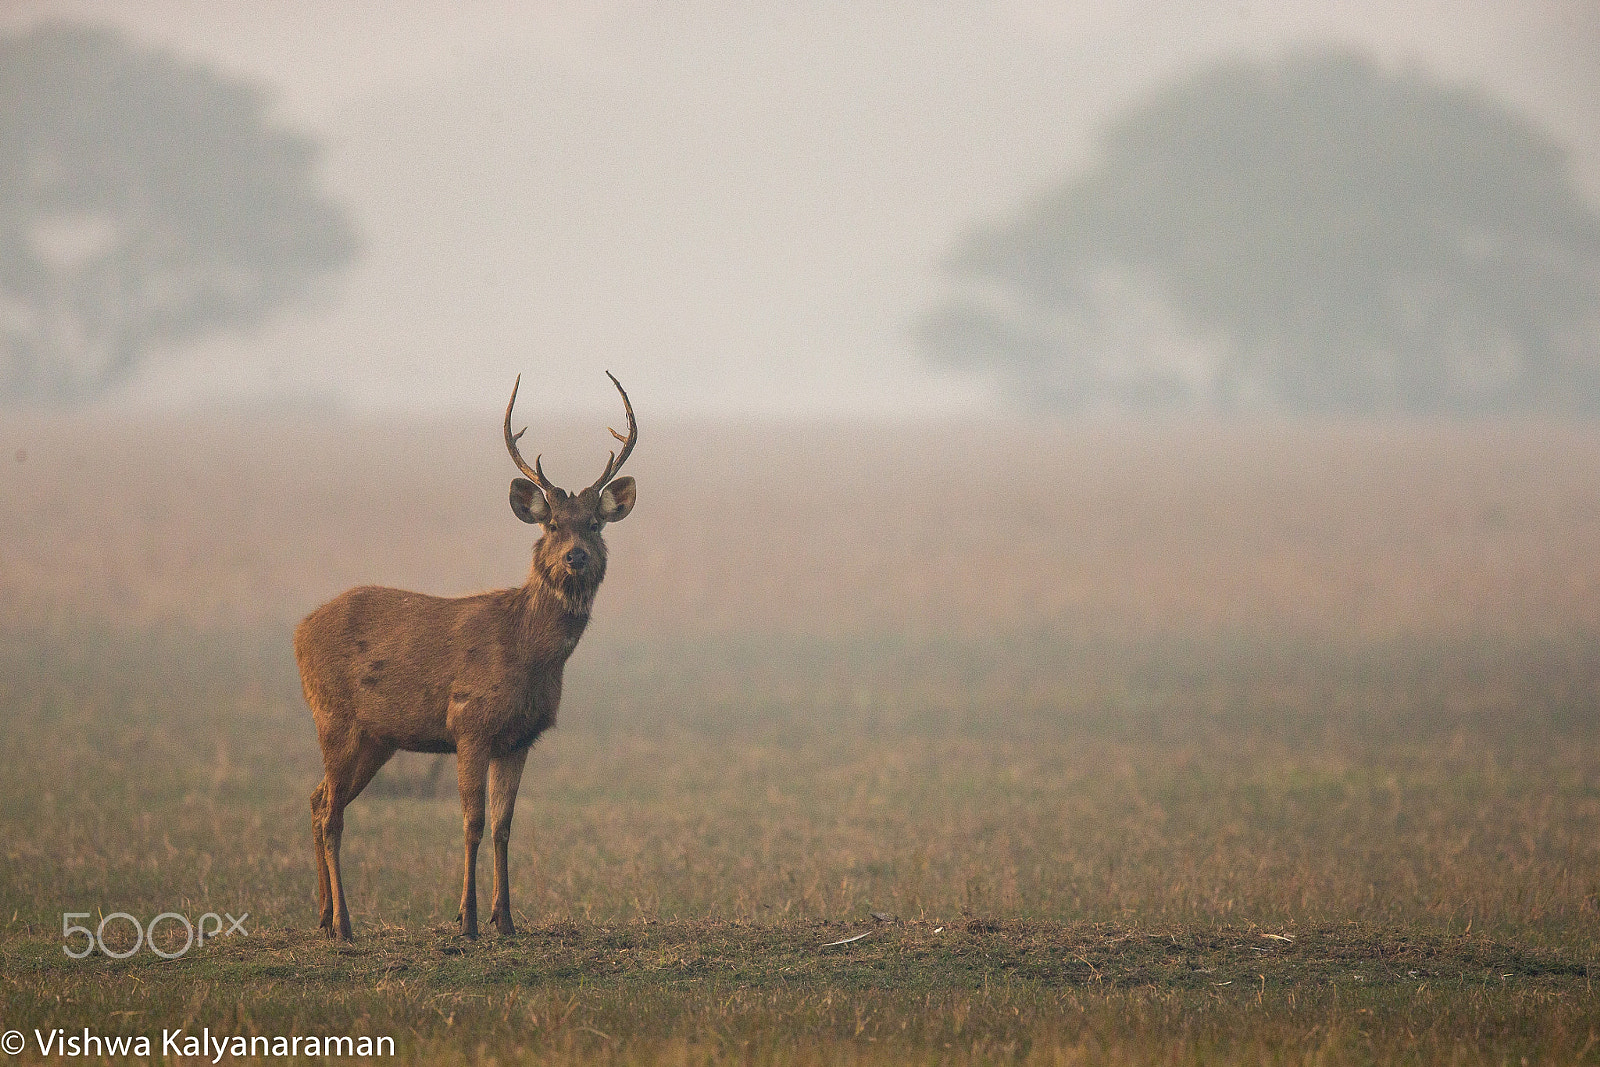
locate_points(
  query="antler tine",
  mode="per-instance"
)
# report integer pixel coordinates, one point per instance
(615, 462)
(535, 472)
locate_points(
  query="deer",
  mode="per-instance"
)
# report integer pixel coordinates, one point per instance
(387, 670)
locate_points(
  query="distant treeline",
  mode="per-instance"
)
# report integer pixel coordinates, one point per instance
(1314, 234)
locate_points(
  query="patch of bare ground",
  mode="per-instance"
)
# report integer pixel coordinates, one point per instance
(964, 990)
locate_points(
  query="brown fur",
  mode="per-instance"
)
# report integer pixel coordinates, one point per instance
(386, 670)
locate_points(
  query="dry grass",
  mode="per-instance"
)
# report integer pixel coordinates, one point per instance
(1100, 868)
(1102, 748)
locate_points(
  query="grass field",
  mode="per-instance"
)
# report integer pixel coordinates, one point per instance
(1150, 761)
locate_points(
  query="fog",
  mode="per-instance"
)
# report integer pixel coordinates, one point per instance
(735, 208)
(1215, 685)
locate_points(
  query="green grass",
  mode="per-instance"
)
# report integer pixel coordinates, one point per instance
(1082, 850)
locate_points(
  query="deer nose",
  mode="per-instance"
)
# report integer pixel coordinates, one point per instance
(576, 558)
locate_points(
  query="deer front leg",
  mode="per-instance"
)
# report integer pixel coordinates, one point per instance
(472, 767)
(505, 774)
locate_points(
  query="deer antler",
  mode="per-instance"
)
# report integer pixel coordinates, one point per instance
(614, 464)
(535, 472)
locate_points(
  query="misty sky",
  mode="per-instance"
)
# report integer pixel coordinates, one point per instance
(735, 207)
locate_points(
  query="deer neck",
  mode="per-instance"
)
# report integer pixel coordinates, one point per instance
(554, 606)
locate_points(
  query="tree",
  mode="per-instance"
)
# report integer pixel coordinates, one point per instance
(144, 200)
(1313, 234)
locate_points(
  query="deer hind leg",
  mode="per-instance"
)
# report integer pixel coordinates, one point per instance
(319, 812)
(505, 774)
(472, 767)
(348, 772)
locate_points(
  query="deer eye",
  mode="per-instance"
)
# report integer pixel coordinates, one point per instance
(594, 524)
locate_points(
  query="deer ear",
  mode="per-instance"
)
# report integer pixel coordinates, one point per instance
(527, 502)
(616, 500)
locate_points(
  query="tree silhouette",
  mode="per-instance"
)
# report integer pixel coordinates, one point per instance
(1313, 234)
(143, 201)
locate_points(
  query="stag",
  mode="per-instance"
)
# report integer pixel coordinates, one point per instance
(386, 670)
